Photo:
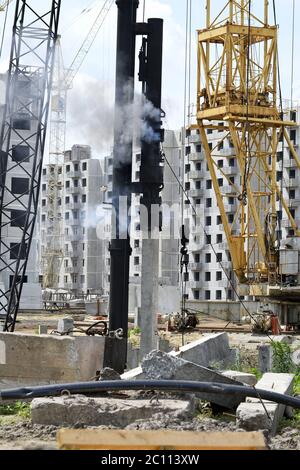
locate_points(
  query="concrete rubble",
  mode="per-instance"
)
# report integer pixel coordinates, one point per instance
(109, 374)
(111, 412)
(210, 351)
(161, 366)
(252, 415)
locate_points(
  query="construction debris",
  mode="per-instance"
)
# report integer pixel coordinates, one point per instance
(110, 412)
(161, 366)
(256, 415)
(109, 374)
(243, 377)
(207, 351)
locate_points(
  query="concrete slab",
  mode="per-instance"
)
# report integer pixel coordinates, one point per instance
(252, 416)
(161, 366)
(41, 359)
(133, 374)
(111, 412)
(247, 379)
(208, 351)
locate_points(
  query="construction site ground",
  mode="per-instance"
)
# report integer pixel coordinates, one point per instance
(18, 432)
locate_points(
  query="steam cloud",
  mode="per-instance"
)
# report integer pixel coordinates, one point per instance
(92, 117)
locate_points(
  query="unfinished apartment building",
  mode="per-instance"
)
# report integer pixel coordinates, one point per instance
(208, 280)
(19, 167)
(79, 195)
(169, 242)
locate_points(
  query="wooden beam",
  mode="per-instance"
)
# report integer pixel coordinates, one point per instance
(95, 439)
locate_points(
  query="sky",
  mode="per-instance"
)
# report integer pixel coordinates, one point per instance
(90, 102)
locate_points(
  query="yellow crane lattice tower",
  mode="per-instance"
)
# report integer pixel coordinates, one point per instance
(237, 93)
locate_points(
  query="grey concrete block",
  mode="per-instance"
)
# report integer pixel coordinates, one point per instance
(84, 411)
(65, 325)
(247, 379)
(265, 358)
(161, 366)
(207, 351)
(164, 345)
(38, 360)
(296, 357)
(252, 416)
(133, 357)
(42, 329)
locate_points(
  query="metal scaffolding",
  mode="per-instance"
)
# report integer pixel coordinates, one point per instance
(22, 143)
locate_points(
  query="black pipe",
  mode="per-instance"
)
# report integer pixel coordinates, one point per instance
(120, 250)
(161, 385)
(151, 172)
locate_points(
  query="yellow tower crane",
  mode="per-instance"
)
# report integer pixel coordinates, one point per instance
(3, 5)
(237, 94)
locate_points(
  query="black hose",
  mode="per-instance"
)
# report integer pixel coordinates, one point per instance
(161, 385)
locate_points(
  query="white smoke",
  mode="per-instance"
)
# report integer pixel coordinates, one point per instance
(92, 117)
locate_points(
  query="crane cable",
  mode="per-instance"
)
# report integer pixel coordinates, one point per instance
(293, 52)
(212, 246)
(4, 28)
(281, 117)
(247, 167)
(184, 259)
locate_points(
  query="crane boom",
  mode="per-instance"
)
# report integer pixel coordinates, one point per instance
(3, 5)
(87, 43)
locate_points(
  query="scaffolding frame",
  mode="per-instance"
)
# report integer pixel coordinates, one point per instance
(24, 125)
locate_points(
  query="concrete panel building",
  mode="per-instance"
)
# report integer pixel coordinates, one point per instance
(211, 276)
(169, 239)
(18, 181)
(79, 196)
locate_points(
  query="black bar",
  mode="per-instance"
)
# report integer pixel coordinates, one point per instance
(151, 163)
(162, 385)
(120, 249)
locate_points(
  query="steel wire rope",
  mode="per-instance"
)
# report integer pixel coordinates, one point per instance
(4, 28)
(212, 247)
(247, 136)
(183, 278)
(282, 129)
(293, 51)
(226, 274)
(84, 12)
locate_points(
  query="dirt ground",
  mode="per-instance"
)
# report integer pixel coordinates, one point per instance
(23, 435)
(19, 433)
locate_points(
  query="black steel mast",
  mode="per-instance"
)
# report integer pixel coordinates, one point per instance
(116, 350)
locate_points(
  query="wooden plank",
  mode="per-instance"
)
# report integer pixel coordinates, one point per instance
(93, 439)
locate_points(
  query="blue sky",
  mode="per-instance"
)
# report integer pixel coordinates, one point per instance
(90, 106)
